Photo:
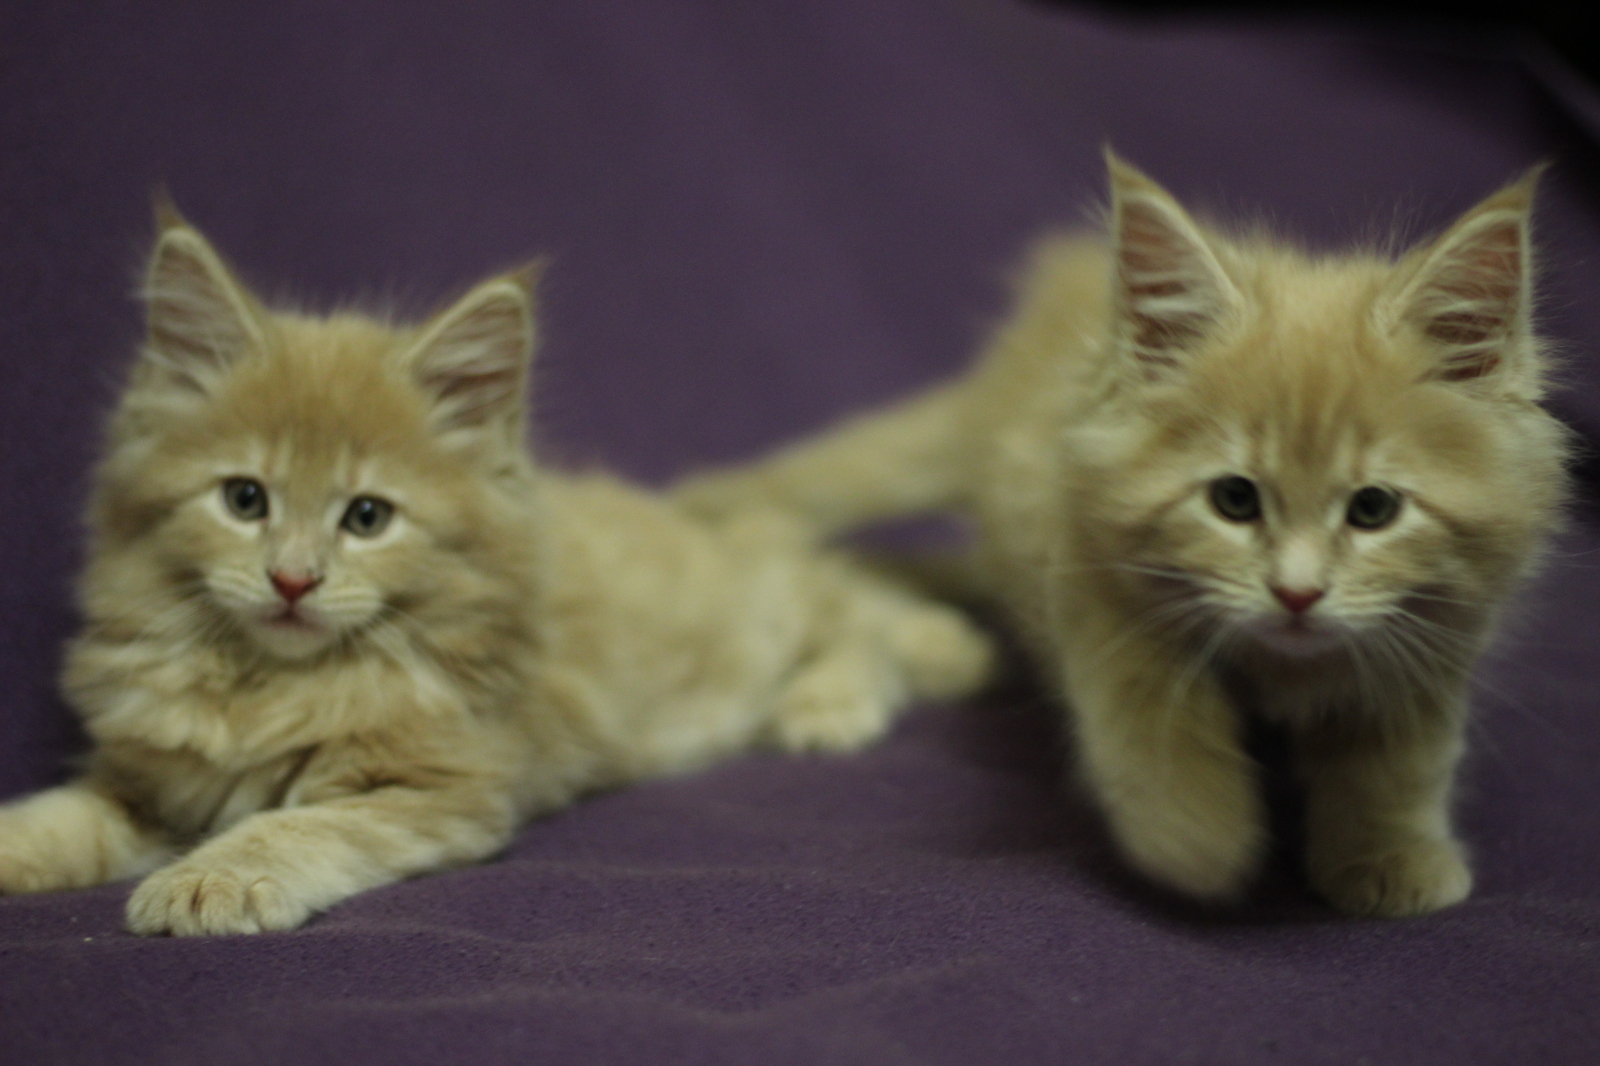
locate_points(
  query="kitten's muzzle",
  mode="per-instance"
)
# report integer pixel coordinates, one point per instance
(1298, 601)
(292, 586)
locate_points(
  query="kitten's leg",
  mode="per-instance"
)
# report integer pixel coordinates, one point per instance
(277, 868)
(1378, 837)
(1160, 746)
(73, 836)
(906, 459)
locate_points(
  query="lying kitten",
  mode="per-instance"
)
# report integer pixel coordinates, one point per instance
(341, 630)
(1215, 474)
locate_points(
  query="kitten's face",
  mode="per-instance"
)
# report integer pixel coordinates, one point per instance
(309, 498)
(299, 557)
(1304, 513)
(1317, 465)
(304, 483)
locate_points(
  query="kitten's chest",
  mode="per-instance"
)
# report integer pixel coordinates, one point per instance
(235, 719)
(1301, 692)
(192, 796)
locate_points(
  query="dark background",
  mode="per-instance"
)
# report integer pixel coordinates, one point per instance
(1565, 25)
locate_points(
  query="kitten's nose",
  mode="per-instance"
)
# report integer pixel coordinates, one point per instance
(292, 586)
(1298, 601)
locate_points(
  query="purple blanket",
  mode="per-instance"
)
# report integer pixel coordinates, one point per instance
(764, 215)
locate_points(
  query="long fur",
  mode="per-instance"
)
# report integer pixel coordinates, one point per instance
(511, 639)
(1137, 370)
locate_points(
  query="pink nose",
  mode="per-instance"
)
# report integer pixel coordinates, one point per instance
(292, 587)
(1298, 601)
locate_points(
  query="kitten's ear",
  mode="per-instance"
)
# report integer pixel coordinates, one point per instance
(473, 357)
(1469, 293)
(1170, 289)
(200, 320)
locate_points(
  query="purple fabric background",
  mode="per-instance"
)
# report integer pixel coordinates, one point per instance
(763, 215)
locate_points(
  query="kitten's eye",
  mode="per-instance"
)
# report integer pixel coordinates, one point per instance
(1236, 499)
(245, 497)
(1373, 508)
(367, 516)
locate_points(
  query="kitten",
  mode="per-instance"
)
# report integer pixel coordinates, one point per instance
(341, 630)
(1216, 475)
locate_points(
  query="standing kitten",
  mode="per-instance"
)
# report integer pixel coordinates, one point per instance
(1216, 474)
(340, 630)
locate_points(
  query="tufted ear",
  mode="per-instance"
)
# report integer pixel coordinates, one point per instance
(1169, 287)
(199, 319)
(472, 359)
(1469, 293)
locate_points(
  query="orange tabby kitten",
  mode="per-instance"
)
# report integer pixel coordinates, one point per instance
(1215, 474)
(341, 630)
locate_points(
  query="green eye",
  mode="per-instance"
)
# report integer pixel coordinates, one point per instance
(1373, 508)
(1236, 498)
(246, 498)
(367, 516)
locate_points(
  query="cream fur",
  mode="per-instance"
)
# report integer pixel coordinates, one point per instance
(511, 639)
(1134, 373)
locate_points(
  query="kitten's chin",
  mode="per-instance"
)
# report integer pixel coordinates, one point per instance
(1293, 639)
(291, 636)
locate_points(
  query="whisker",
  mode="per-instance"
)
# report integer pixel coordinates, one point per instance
(1156, 617)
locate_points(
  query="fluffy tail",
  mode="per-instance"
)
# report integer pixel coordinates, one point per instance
(906, 459)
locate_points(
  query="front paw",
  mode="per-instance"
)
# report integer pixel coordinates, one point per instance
(1411, 879)
(1212, 865)
(1205, 840)
(20, 874)
(24, 866)
(203, 899)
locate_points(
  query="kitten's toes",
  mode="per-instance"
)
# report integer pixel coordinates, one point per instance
(1210, 852)
(1218, 874)
(1417, 878)
(946, 656)
(20, 875)
(836, 704)
(196, 899)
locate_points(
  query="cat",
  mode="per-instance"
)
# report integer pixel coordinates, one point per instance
(340, 629)
(1214, 475)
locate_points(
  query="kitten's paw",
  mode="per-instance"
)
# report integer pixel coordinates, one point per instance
(21, 869)
(21, 874)
(945, 655)
(200, 899)
(1209, 851)
(836, 704)
(1417, 878)
(1213, 871)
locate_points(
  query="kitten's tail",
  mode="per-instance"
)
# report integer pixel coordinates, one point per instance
(903, 460)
